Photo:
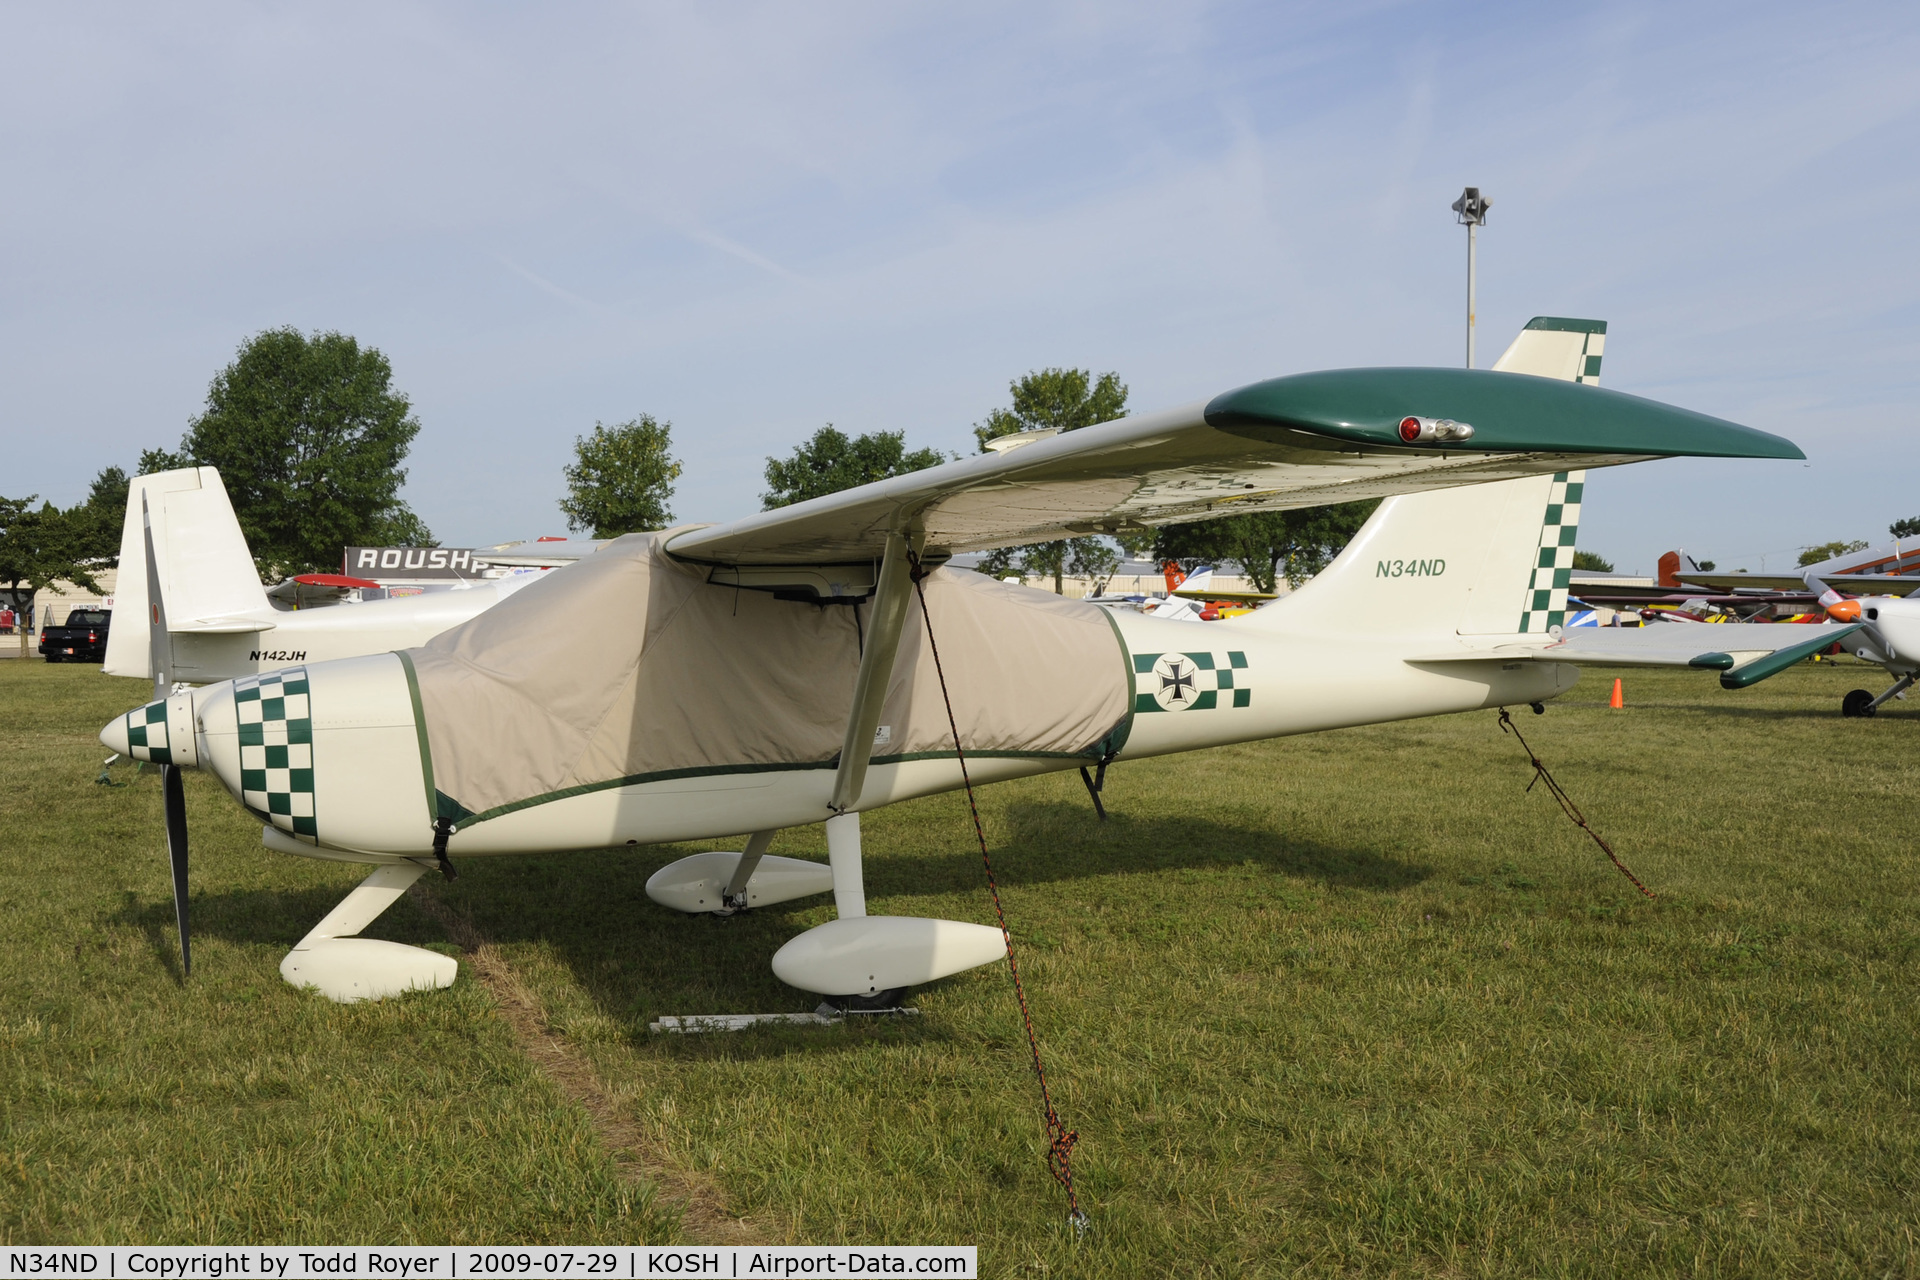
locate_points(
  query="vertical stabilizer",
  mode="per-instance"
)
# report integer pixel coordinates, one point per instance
(1484, 559)
(1554, 347)
(206, 572)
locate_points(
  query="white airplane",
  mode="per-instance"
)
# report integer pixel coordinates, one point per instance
(1884, 611)
(1889, 624)
(222, 624)
(781, 669)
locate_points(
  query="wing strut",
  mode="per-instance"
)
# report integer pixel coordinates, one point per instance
(890, 598)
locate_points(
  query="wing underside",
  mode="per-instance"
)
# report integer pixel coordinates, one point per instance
(1303, 441)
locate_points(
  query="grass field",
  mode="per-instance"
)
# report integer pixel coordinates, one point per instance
(1353, 1003)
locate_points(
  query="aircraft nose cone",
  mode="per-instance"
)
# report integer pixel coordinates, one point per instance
(1845, 611)
(115, 736)
(144, 734)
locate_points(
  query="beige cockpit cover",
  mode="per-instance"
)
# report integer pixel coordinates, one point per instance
(628, 666)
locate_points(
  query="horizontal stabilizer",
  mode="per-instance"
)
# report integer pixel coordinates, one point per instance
(1743, 653)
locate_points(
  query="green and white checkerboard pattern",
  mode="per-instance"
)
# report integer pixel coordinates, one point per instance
(147, 733)
(1590, 359)
(1546, 604)
(1188, 682)
(276, 750)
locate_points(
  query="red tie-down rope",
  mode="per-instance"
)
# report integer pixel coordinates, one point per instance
(1060, 1139)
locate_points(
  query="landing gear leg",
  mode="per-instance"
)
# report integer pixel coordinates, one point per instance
(346, 968)
(1862, 703)
(735, 894)
(843, 854)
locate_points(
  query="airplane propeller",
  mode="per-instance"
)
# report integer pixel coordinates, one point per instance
(160, 662)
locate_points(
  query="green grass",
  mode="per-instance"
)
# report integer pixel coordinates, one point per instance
(1348, 1003)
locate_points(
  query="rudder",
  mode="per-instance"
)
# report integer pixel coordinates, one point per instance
(206, 571)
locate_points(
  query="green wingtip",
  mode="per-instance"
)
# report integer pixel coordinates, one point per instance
(1780, 659)
(1510, 413)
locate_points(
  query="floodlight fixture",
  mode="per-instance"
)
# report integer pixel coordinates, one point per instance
(1470, 210)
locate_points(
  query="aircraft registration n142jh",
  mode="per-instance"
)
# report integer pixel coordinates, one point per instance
(780, 670)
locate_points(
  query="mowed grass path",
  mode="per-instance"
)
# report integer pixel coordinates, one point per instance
(1350, 1003)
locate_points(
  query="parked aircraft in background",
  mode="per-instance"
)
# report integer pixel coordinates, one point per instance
(781, 669)
(1889, 619)
(224, 625)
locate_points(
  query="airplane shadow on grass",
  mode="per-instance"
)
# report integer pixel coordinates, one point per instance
(635, 961)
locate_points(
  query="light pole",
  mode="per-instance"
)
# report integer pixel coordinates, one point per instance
(1471, 208)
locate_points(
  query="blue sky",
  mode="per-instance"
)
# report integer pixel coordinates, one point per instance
(752, 220)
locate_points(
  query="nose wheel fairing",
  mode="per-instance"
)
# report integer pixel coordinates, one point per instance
(348, 969)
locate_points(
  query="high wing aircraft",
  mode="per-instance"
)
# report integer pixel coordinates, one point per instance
(1889, 624)
(808, 664)
(1198, 585)
(223, 626)
(1870, 591)
(1892, 568)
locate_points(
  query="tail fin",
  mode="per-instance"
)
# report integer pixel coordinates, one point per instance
(1485, 559)
(1201, 579)
(207, 576)
(1672, 565)
(1551, 347)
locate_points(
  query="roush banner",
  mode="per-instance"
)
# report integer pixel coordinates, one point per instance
(408, 562)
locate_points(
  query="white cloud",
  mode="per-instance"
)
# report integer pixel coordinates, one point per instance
(754, 219)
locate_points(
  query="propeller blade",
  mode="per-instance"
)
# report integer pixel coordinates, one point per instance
(159, 639)
(177, 854)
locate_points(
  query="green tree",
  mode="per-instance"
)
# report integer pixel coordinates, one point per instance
(1592, 563)
(1063, 400)
(153, 461)
(1266, 545)
(39, 547)
(94, 524)
(1905, 528)
(1828, 550)
(831, 461)
(309, 435)
(621, 478)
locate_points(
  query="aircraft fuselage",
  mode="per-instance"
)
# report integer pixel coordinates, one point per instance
(342, 755)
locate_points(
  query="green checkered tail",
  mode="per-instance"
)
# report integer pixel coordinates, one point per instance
(1545, 606)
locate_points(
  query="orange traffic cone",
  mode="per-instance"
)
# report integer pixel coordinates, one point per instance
(1616, 701)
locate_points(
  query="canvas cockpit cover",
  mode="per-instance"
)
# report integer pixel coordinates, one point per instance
(629, 667)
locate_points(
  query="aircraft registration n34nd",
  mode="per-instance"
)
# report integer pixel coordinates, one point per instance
(812, 663)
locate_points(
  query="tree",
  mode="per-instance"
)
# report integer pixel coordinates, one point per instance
(308, 435)
(1828, 550)
(621, 478)
(1064, 400)
(1905, 528)
(1591, 563)
(1267, 545)
(41, 547)
(831, 461)
(1706, 566)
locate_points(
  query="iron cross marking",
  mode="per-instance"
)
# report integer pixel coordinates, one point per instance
(1179, 680)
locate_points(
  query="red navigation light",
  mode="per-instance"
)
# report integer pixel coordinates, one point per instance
(1409, 429)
